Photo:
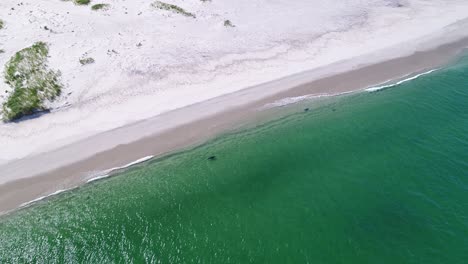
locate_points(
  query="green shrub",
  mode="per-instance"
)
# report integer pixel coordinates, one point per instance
(82, 2)
(32, 82)
(99, 6)
(228, 23)
(172, 8)
(86, 61)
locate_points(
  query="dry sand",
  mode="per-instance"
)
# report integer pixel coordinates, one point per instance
(150, 61)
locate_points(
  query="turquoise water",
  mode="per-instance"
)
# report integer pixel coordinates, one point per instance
(369, 178)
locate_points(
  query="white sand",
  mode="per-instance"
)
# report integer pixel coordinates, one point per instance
(182, 60)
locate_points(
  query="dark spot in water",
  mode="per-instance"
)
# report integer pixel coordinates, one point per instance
(212, 158)
(306, 110)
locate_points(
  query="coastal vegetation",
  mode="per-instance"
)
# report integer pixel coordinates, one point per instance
(82, 2)
(33, 83)
(99, 7)
(228, 23)
(172, 8)
(86, 61)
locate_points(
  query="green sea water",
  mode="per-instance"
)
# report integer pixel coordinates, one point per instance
(377, 177)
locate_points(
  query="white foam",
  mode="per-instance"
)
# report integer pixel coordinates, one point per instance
(377, 88)
(106, 173)
(44, 197)
(292, 100)
(288, 101)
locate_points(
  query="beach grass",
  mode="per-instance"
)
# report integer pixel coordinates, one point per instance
(173, 8)
(82, 2)
(99, 7)
(85, 61)
(78, 2)
(32, 81)
(228, 23)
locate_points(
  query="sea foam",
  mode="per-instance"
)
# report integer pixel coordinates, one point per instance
(292, 100)
(102, 174)
(385, 86)
(43, 197)
(106, 173)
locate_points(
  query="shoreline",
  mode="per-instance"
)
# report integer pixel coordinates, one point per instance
(73, 165)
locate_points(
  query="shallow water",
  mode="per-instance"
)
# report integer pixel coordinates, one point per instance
(377, 177)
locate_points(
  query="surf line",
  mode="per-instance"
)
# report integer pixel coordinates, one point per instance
(380, 87)
(106, 174)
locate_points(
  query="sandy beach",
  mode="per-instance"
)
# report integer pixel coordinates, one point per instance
(148, 101)
(96, 156)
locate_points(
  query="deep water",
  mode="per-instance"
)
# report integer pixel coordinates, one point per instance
(377, 177)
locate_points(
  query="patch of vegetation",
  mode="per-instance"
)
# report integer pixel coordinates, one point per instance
(2, 24)
(82, 2)
(86, 61)
(32, 82)
(228, 23)
(172, 8)
(99, 7)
